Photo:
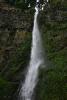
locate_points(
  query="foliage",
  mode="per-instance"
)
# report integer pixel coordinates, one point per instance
(52, 84)
(14, 65)
(23, 4)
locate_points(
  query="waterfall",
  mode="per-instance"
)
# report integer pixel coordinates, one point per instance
(36, 60)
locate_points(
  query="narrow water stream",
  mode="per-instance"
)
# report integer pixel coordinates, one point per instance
(36, 60)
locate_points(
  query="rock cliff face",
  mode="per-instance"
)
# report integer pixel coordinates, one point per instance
(53, 26)
(15, 45)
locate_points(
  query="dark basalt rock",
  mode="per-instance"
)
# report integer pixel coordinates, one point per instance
(15, 45)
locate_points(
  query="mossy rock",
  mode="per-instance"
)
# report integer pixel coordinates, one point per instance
(52, 84)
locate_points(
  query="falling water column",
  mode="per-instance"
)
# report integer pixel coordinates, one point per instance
(36, 60)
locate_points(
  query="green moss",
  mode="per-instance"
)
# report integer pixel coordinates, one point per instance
(52, 84)
(54, 2)
(6, 89)
(15, 62)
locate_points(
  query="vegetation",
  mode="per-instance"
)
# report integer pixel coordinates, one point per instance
(15, 46)
(23, 4)
(16, 61)
(52, 84)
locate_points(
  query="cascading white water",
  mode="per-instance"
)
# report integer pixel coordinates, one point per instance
(35, 61)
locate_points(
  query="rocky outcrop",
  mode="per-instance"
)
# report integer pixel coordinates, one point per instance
(15, 45)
